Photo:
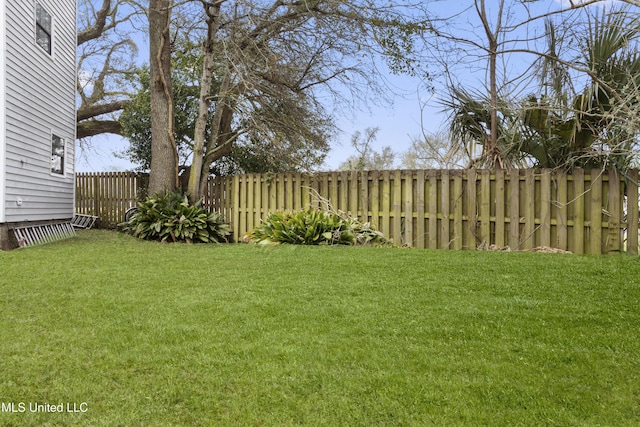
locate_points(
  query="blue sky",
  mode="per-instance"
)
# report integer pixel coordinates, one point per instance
(397, 122)
(410, 109)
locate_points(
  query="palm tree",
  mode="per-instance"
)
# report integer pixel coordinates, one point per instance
(597, 127)
(470, 125)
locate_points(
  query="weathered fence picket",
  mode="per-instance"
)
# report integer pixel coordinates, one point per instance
(108, 195)
(589, 211)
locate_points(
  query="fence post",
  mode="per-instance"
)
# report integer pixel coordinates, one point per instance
(472, 210)
(364, 196)
(375, 199)
(420, 178)
(500, 198)
(408, 208)
(632, 211)
(458, 212)
(528, 238)
(235, 209)
(397, 200)
(578, 209)
(595, 226)
(485, 207)
(562, 211)
(514, 209)
(613, 212)
(96, 195)
(545, 207)
(445, 207)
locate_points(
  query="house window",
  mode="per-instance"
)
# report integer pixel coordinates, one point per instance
(57, 155)
(43, 28)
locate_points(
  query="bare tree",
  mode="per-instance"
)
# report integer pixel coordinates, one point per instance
(273, 61)
(106, 52)
(493, 42)
(435, 151)
(479, 39)
(505, 43)
(367, 158)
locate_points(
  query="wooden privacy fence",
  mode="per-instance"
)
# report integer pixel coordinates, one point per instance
(589, 211)
(108, 195)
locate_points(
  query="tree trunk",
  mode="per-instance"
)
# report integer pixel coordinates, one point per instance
(194, 189)
(221, 145)
(221, 137)
(493, 151)
(164, 164)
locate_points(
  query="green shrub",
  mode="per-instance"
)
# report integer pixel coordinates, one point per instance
(314, 227)
(170, 217)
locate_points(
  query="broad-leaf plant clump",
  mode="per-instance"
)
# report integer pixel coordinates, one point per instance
(314, 227)
(170, 217)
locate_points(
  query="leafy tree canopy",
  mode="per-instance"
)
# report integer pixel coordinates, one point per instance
(286, 149)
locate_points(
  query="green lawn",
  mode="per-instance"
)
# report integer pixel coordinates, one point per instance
(139, 333)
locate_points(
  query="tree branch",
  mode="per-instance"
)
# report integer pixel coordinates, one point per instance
(100, 25)
(96, 127)
(85, 113)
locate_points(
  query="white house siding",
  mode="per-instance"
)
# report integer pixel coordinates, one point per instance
(39, 101)
(2, 124)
